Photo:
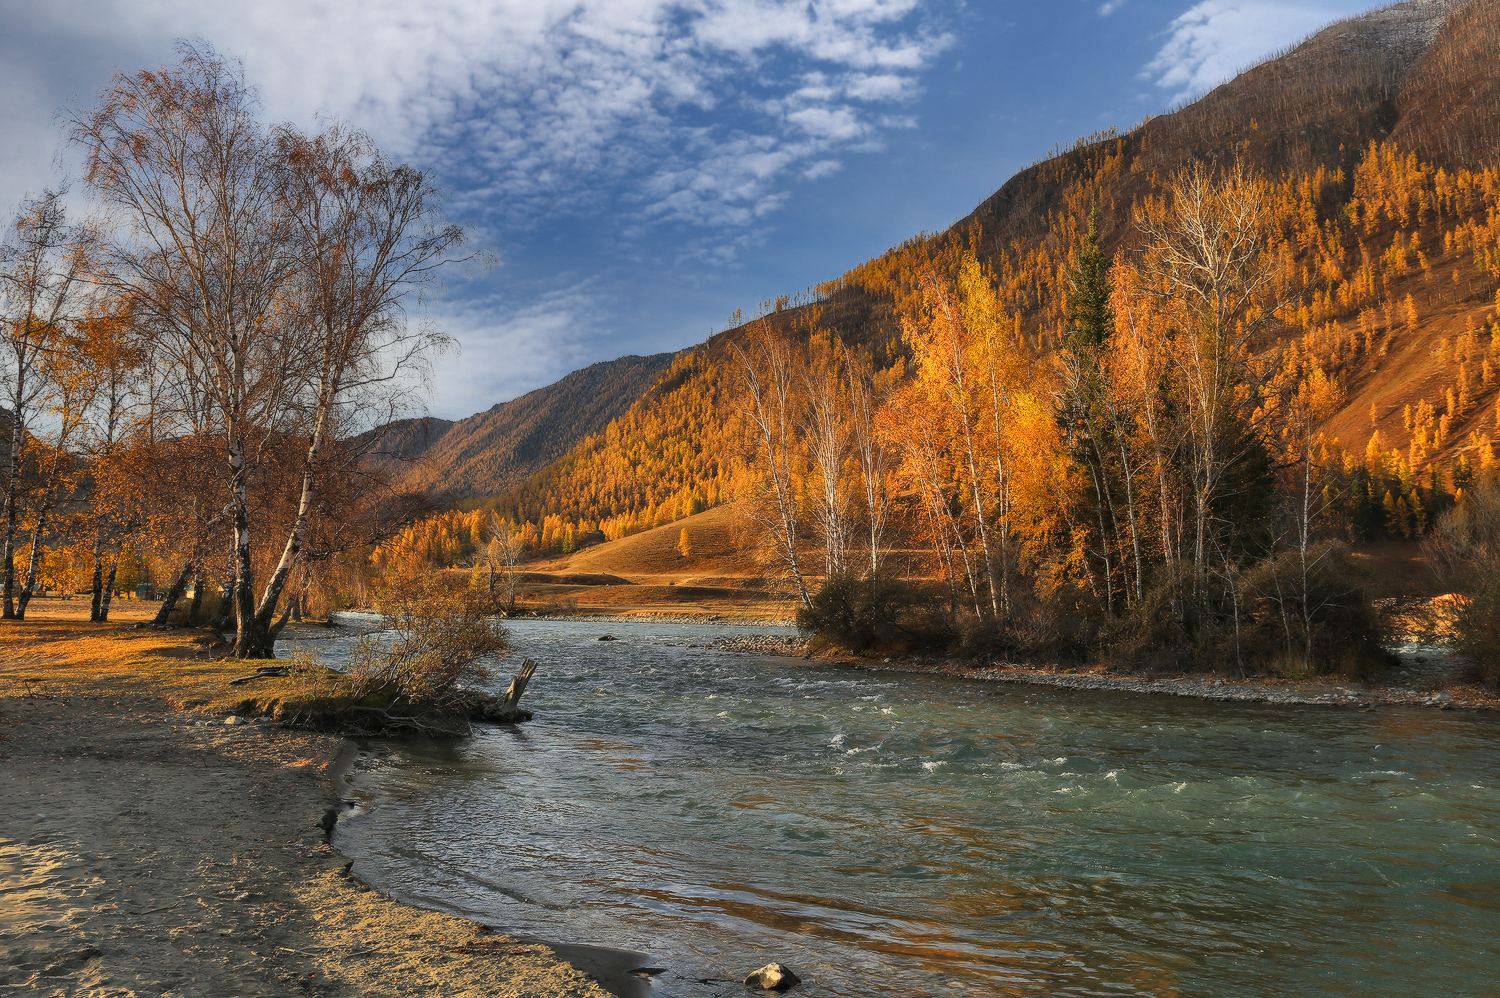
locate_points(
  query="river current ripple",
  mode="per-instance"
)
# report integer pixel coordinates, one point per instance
(914, 835)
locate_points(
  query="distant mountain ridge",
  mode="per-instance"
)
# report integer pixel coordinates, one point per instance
(1423, 75)
(496, 450)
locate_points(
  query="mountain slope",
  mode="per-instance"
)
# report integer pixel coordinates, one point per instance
(1331, 122)
(496, 450)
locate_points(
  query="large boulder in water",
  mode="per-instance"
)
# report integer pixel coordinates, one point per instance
(773, 977)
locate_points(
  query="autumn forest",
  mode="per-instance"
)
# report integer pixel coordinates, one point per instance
(1147, 403)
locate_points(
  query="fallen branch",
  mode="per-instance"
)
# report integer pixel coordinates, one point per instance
(270, 670)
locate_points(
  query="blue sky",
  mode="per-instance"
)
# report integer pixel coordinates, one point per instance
(642, 168)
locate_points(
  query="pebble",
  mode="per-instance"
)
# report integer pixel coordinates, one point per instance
(791, 645)
(1206, 689)
(649, 618)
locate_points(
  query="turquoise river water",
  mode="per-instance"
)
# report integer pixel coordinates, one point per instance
(908, 835)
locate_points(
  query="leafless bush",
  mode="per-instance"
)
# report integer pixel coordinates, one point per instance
(413, 677)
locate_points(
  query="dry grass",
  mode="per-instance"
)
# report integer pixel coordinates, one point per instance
(718, 541)
(651, 577)
(56, 651)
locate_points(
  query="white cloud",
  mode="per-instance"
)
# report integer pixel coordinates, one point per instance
(822, 168)
(878, 87)
(509, 350)
(537, 104)
(1110, 6)
(1215, 39)
(836, 123)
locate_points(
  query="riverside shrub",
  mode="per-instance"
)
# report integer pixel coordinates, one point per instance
(1283, 615)
(861, 613)
(413, 677)
(1464, 549)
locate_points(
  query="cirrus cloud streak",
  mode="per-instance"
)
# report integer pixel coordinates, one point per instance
(693, 111)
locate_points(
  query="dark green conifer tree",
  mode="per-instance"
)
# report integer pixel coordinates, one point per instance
(1091, 321)
(1086, 416)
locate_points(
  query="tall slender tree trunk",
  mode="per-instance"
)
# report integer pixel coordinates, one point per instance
(48, 500)
(8, 565)
(979, 520)
(173, 594)
(8, 610)
(247, 643)
(96, 587)
(33, 565)
(1304, 539)
(1097, 474)
(109, 588)
(1129, 476)
(196, 607)
(264, 644)
(12, 513)
(1002, 527)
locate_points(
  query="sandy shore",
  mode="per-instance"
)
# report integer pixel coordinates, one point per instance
(146, 852)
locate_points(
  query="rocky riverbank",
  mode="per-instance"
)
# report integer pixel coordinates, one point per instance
(1307, 692)
(1426, 677)
(790, 645)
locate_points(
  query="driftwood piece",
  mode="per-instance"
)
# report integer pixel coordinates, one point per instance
(270, 670)
(518, 685)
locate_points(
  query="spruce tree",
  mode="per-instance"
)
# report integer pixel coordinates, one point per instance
(1087, 330)
(1091, 321)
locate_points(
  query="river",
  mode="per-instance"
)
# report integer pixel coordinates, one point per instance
(916, 835)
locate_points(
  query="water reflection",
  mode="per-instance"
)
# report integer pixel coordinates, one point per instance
(943, 837)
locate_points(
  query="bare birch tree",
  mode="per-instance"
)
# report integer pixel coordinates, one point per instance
(770, 404)
(368, 236)
(74, 382)
(181, 156)
(825, 426)
(504, 553)
(45, 274)
(1208, 255)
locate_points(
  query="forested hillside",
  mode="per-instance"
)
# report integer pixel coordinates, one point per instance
(1381, 135)
(1141, 400)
